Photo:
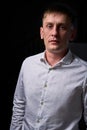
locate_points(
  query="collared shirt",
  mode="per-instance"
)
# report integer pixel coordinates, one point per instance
(50, 98)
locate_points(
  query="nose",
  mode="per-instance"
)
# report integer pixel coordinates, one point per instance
(55, 31)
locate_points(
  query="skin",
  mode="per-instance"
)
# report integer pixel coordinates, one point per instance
(56, 31)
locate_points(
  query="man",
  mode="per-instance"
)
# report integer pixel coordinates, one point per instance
(51, 92)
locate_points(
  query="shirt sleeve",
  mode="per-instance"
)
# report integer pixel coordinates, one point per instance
(18, 104)
(85, 100)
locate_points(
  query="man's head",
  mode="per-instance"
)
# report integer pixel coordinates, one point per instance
(62, 8)
(58, 27)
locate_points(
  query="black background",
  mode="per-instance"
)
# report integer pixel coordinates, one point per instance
(24, 40)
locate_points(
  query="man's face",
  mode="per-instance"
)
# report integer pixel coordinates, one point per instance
(56, 31)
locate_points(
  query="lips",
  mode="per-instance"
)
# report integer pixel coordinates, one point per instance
(54, 41)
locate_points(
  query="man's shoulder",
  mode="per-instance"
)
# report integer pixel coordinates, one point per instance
(33, 58)
(81, 61)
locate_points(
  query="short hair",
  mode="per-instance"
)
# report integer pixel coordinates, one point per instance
(62, 8)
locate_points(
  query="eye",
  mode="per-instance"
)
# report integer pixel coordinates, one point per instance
(49, 26)
(62, 27)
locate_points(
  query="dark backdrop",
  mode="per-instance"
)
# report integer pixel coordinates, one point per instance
(24, 40)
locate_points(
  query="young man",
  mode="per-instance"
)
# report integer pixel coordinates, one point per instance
(51, 92)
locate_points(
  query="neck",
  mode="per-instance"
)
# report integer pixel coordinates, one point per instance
(53, 58)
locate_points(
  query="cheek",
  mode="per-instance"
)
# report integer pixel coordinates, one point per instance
(71, 35)
(63, 36)
(66, 36)
(45, 35)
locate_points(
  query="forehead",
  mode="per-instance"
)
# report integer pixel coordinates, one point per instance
(58, 16)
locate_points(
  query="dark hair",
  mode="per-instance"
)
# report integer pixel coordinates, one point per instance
(63, 8)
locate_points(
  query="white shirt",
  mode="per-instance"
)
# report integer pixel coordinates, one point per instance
(50, 98)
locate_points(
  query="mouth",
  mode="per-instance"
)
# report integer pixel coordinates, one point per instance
(54, 41)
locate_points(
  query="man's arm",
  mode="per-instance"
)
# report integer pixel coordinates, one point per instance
(18, 105)
(84, 119)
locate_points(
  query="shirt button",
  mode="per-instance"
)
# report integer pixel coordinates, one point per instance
(38, 121)
(45, 85)
(49, 70)
(42, 103)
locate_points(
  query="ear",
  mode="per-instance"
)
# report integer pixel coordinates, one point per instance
(73, 34)
(41, 32)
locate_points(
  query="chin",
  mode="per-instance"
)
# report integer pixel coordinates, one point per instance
(54, 51)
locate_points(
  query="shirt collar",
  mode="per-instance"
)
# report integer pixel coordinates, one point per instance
(67, 59)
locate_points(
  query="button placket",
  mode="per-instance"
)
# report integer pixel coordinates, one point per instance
(39, 116)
